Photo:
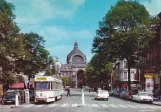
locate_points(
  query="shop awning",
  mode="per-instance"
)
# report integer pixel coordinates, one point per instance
(17, 86)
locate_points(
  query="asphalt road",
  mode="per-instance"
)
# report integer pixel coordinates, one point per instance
(73, 104)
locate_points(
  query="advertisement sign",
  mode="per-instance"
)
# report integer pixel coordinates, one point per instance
(41, 79)
(149, 75)
(149, 85)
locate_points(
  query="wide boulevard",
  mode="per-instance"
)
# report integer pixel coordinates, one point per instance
(74, 104)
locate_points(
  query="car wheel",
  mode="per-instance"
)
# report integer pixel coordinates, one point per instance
(139, 101)
(107, 99)
(151, 102)
(132, 100)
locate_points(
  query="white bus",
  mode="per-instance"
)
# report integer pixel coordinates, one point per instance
(47, 89)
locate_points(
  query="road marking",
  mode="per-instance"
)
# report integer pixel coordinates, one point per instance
(147, 110)
(89, 105)
(95, 105)
(132, 106)
(52, 105)
(112, 105)
(151, 107)
(74, 105)
(30, 105)
(140, 106)
(64, 105)
(39, 105)
(104, 105)
(123, 106)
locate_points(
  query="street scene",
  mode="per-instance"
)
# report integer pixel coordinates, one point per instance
(80, 55)
(74, 104)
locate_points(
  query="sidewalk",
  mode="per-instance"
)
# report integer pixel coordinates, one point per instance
(157, 103)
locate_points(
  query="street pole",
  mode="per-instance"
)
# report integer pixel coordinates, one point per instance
(83, 101)
(16, 101)
(76, 82)
(111, 80)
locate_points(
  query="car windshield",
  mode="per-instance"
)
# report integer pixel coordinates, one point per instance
(103, 92)
(11, 93)
(42, 86)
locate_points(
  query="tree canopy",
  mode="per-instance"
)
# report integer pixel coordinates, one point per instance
(19, 52)
(124, 33)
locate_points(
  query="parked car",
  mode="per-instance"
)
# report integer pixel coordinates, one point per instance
(112, 92)
(9, 97)
(142, 97)
(122, 93)
(99, 89)
(32, 95)
(102, 94)
(128, 95)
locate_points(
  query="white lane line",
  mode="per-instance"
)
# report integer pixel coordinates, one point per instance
(123, 106)
(147, 110)
(112, 105)
(104, 105)
(153, 107)
(39, 105)
(64, 105)
(95, 105)
(52, 105)
(74, 105)
(140, 106)
(132, 106)
(28, 105)
(89, 105)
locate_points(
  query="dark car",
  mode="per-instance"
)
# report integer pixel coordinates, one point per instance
(32, 95)
(9, 97)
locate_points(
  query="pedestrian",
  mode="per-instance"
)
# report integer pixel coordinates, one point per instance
(68, 92)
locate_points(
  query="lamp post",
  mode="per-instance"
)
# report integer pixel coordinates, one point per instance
(57, 66)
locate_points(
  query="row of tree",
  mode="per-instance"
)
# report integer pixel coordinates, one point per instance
(124, 33)
(19, 52)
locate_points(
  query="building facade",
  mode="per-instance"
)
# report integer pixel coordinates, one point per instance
(151, 65)
(120, 75)
(75, 67)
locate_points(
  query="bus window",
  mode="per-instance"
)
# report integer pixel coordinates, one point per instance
(42, 85)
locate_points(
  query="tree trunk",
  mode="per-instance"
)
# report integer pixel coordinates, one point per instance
(129, 76)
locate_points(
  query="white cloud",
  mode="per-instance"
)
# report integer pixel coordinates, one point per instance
(61, 51)
(58, 39)
(55, 34)
(154, 7)
(36, 11)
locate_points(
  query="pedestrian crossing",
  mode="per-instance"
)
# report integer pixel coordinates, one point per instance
(117, 106)
(95, 106)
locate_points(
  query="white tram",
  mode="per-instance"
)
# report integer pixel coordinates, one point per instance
(47, 89)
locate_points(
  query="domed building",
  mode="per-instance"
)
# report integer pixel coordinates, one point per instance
(75, 67)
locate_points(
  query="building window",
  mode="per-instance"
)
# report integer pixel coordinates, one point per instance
(125, 64)
(125, 75)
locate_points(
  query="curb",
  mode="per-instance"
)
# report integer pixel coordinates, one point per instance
(157, 104)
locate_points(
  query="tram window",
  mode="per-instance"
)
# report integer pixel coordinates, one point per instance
(53, 85)
(42, 85)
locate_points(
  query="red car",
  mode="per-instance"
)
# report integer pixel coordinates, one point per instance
(128, 95)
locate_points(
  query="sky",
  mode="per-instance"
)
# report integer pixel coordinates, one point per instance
(62, 22)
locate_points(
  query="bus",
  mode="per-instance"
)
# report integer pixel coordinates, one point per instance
(48, 88)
